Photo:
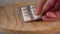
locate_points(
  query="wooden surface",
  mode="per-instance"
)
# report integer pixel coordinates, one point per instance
(10, 20)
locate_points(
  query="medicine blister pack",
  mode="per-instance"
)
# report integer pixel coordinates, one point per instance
(27, 13)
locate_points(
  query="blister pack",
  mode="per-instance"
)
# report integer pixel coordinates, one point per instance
(27, 13)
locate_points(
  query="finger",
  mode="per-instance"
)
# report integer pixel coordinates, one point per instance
(49, 4)
(46, 18)
(39, 6)
(51, 14)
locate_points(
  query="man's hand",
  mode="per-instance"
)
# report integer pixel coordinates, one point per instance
(49, 8)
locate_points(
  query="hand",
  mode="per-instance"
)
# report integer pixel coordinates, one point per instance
(49, 8)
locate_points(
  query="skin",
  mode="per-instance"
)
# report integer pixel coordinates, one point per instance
(50, 9)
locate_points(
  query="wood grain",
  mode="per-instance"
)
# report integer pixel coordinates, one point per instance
(10, 20)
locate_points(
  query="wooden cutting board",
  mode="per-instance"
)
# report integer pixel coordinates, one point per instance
(10, 20)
